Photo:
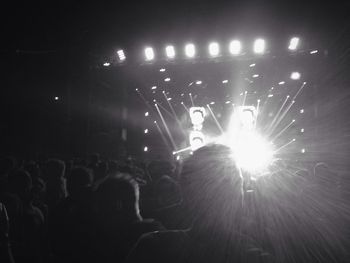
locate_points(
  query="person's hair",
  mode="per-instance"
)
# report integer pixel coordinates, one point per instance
(54, 169)
(79, 178)
(212, 186)
(118, 195)
(20, 183)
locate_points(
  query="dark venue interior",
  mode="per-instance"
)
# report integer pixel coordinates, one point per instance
(175, 131)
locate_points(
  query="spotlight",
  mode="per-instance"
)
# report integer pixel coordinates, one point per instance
(235, 47)
(270, 95)
(145, 131)
(214, 49)
(106, 64)
(293, 44)
(121, 55)
(196, 140)
(56, 98)
(145, 149)
(198, 82)
(259, 46)
(252, 65)
(302, 130)
(167, 79)
(313, 52)
(146, 114)
(212, 103)
(281, 83)
(255, 75)
(251, 152)
(302, 111)
(170, 51)
(225, 81)
(303, 150)
(154, 87)
(169, 99)
(190, 50)
(162, 70)
(197, 115)
(149, 53)
(295, 75)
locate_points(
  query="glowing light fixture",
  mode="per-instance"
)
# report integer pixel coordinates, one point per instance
(295, 75)
(214, 49)
(225, 81)
(259, 46)
(106, 64)
(149, 53)
(198, 82)
(145, 149)
(170, 52)
(167, 79)
(235, 47)
(190, 50)
(146, 114)
(121, 55)
(145, 131)
(293, 43)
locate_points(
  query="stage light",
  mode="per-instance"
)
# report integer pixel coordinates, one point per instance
(281, 83)
(198, 82)
(235, 47)
(170, 51)
(154, 87)
(302, 130)
(293, 44)
(259, 46)
(190, 50)
(56, 98)
(178, 158)
(169, 99)
(145, 149)
(251, 151)
(302, 111)
(255, 75)
(252, 65)
(214, 49)
(270, 95)
(149, 53)
(167, 79)
(146, 114)
(162, 70)
(197, 115)
(228, 102)
(106, 64)
(196, 140)
(313, 51)
(121, 55)
(145, 131)
(303, 150)
(225, 81)
(295, 75)
(212, 103)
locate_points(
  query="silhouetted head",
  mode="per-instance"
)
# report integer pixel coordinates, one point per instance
(78, 179)
(20, 183)
(6, 165)
(54, 169)
(118, 197)
(212, 187)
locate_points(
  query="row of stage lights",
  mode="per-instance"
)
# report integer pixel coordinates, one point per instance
(234, 47)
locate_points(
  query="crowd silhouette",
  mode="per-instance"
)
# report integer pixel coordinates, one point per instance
(202, 210)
